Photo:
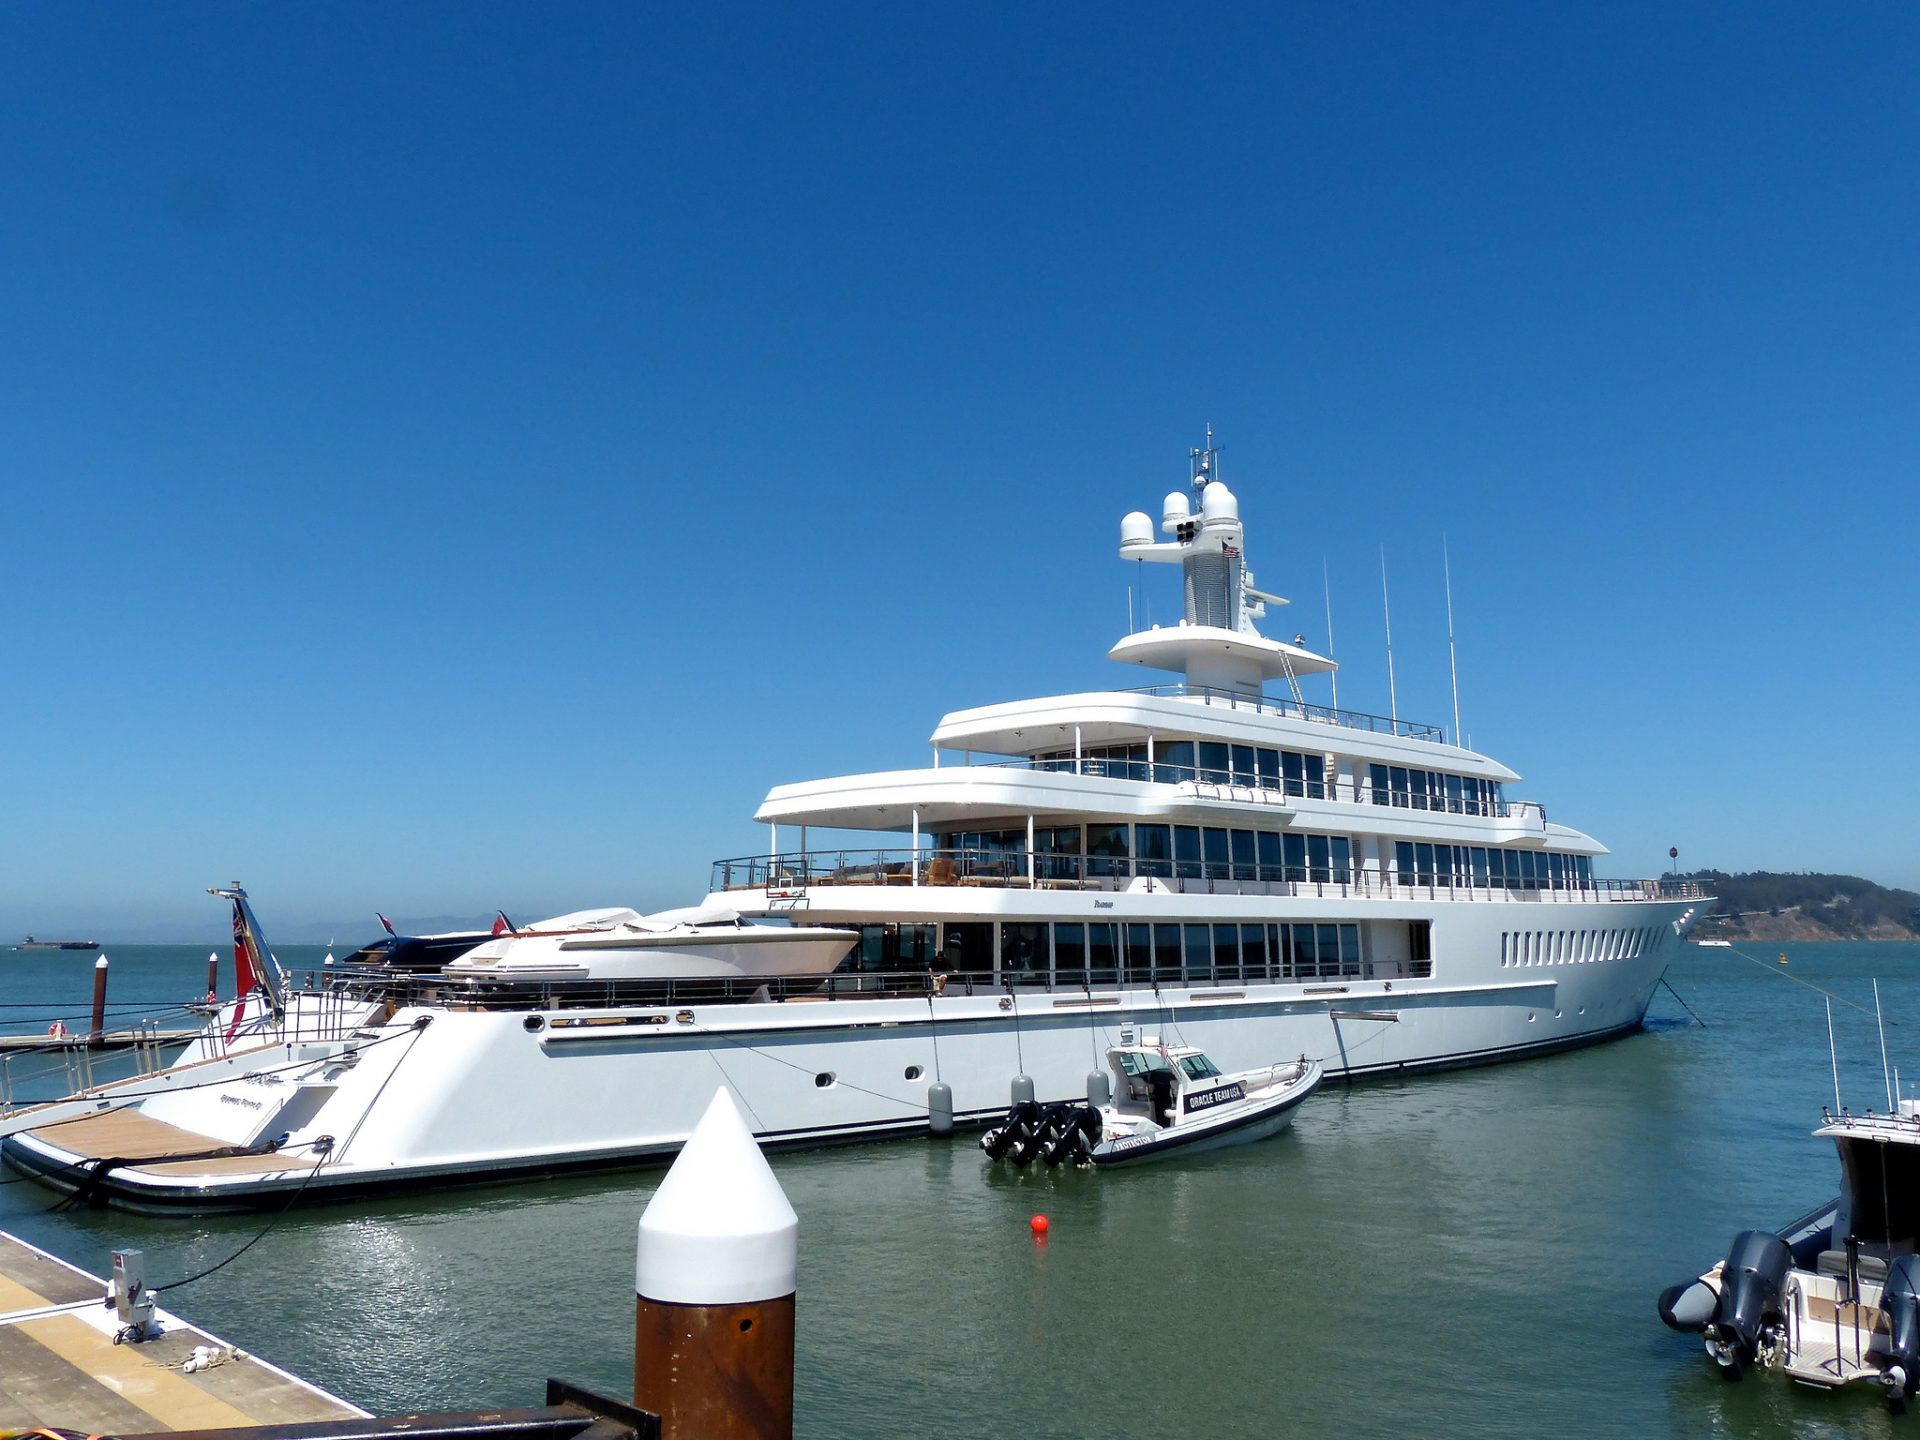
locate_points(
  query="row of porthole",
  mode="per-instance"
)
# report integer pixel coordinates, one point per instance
(826, 1079)
(1531, 1017)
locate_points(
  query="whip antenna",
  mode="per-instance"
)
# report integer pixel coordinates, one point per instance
(1386, 607)
(1834, 1056)
(1885, 1074)
(1326, 591)
(1453, 662)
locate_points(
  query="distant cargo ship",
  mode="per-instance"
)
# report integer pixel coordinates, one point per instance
(32, 944)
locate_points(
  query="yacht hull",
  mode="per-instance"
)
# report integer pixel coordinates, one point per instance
(429, 1096)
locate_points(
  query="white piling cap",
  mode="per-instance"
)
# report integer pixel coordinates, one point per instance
(719, 1230)
(101, 963)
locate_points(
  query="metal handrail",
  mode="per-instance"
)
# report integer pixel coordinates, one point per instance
(1017, 869)
(1161, 772)
(1297, 709)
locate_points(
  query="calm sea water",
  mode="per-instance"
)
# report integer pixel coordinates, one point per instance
(1470, 1254)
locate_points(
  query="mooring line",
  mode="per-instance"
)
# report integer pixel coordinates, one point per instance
(1683, 1004)
(1774, 969)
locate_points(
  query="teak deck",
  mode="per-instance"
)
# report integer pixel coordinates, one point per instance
(59, 1366)
(128, 1134)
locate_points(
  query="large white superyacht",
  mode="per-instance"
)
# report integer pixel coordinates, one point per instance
(1204, 860)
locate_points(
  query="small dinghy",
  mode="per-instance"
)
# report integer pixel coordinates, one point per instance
(1169, 1100)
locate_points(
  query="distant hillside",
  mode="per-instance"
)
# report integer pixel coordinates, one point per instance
(1768, 906)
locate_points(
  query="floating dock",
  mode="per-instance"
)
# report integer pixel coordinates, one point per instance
(60, 1367)
(106, 1040)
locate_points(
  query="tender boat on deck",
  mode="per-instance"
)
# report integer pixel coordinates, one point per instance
(1170, 1100)
(1834, 1298)
(709, 940)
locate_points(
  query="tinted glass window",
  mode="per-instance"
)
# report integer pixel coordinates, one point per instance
(1069, 954)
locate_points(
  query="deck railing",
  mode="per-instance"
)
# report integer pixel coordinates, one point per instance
(797, 872)
(1249, 789)
(1295, 709)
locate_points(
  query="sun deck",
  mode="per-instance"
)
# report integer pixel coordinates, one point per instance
(139, 1142)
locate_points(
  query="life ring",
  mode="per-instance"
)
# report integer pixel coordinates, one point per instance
(58, 1030)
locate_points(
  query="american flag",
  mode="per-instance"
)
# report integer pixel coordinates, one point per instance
(1232, 552)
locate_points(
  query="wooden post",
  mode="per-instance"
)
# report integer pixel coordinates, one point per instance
(714, 1290)
(98, 1033)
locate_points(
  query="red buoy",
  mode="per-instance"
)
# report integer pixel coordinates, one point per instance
(1038, 1224)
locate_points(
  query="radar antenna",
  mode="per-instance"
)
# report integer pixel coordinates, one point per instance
(1206, 463)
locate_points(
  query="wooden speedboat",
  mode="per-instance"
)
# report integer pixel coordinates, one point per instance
(1168, 1100)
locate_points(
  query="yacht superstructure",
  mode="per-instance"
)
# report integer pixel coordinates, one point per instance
(1231, 868)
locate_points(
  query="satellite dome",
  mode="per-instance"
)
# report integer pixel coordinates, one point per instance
(1219, 504)
(1136, 528)
(1175, 510)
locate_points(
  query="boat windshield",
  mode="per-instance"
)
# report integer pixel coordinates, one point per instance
(1138, 1062)
(1198, 1067)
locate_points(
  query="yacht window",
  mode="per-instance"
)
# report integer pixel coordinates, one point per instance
(1226, 952)
(1269, 762)
(1296, 850)
(1139, 954)
(1213, 761)
(1186, 852)
(1244, 772)
(1173, 761)
(1107, 850)
(1305, 952)
(1253, 951)
(1343, 859)
(1070, 954)
(1319, 857)
(1166, 953)
(1153, 850)
(1199, 952)
(1103, 953)
(1214, 843)
(964, 947)
(1377, 782)
(1269, 849)
(1023, 950)
(1057, 852)
(1243, 846)
(1329, 949)
(1198, 1067)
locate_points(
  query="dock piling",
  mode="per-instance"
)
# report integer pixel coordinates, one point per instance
(99, 1029)
(714, 1284)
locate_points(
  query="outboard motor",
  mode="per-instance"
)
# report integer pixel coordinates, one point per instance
(1750, 1284)
(1900, 1303)
(1052, 1119)
(1016, 1127)
(1076, 1141)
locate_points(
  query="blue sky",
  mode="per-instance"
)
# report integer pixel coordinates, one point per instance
(464, 455)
